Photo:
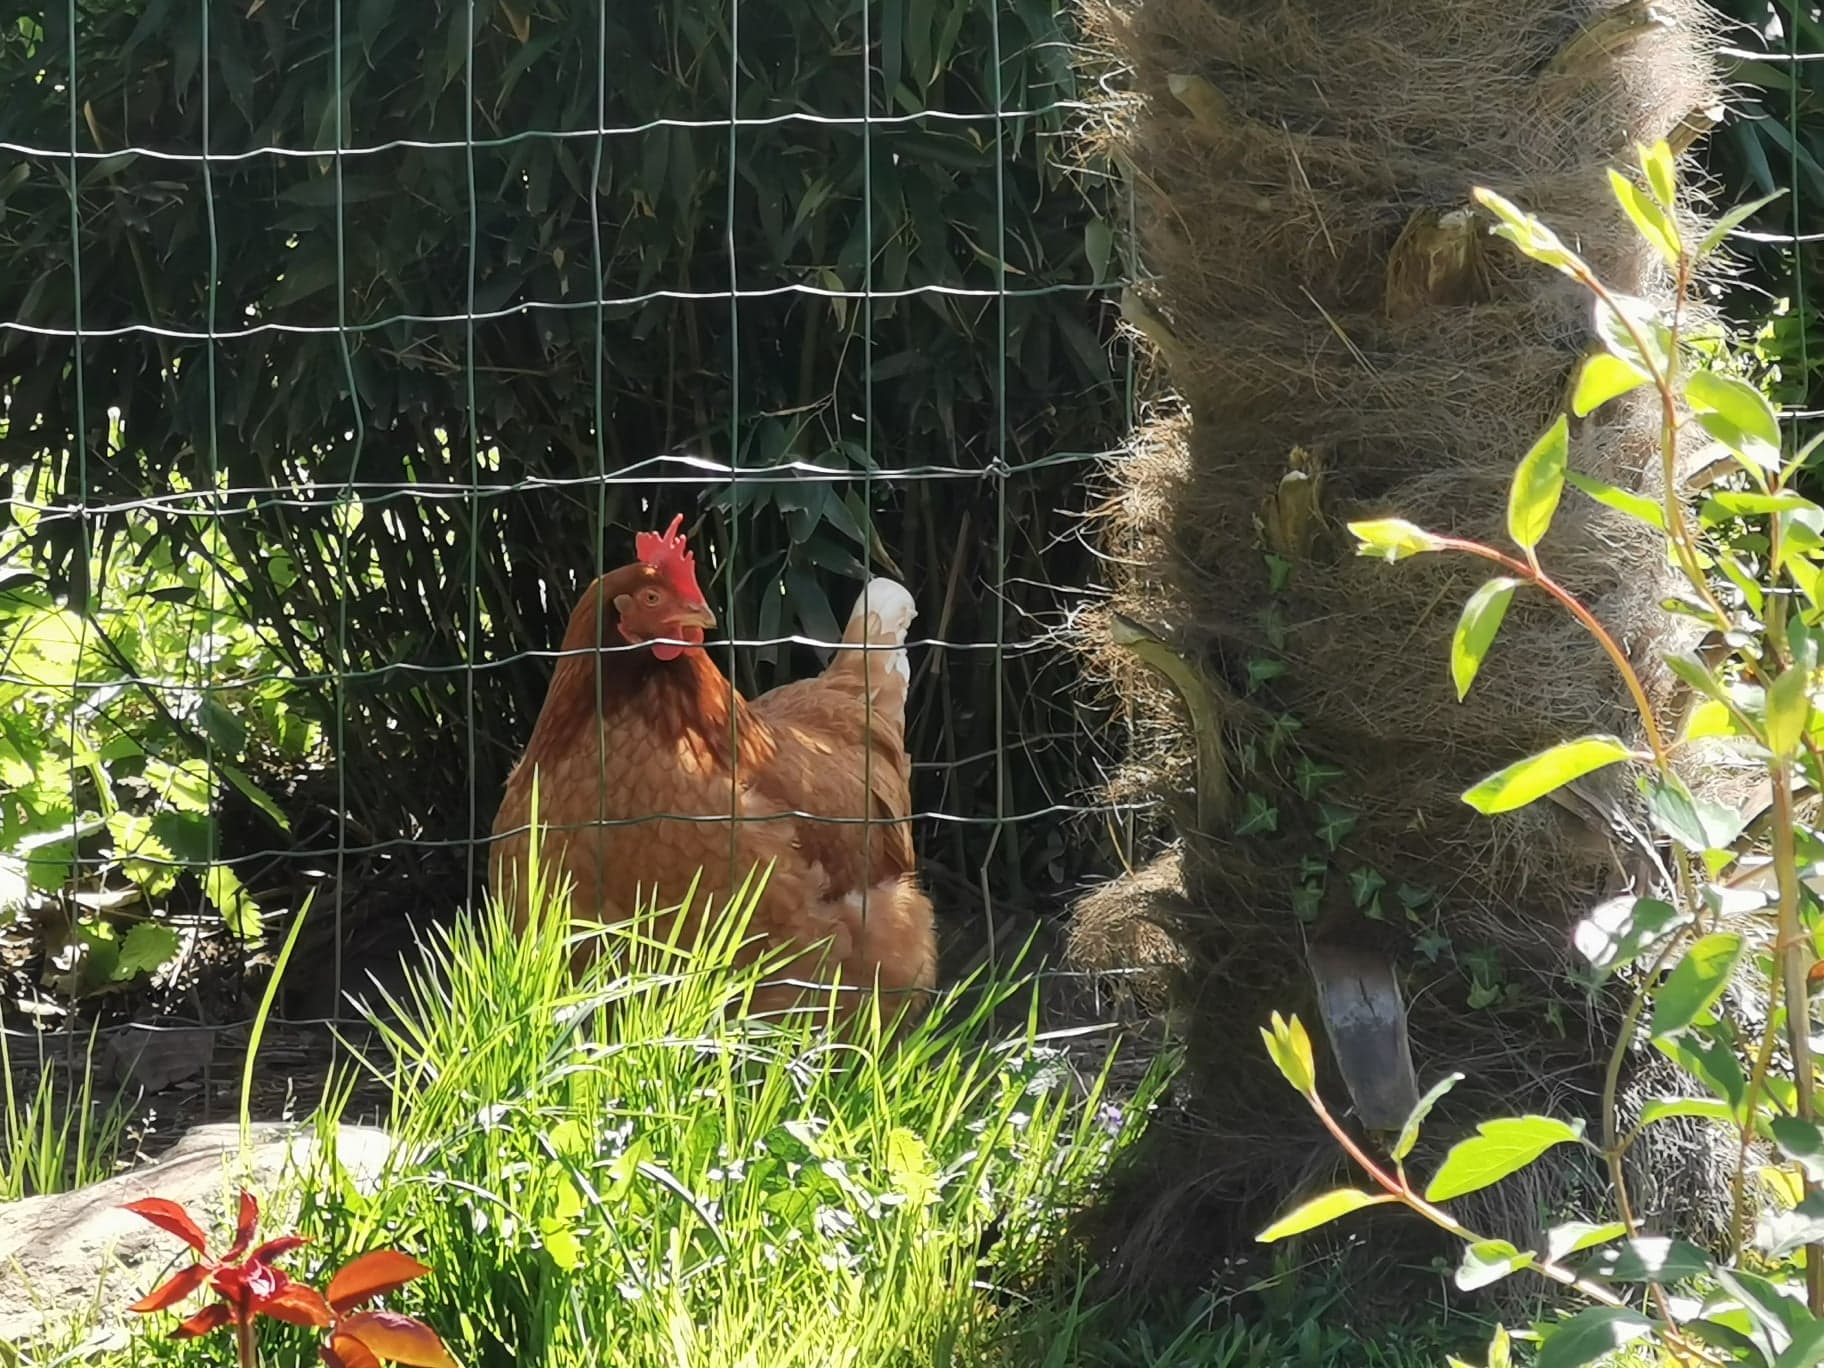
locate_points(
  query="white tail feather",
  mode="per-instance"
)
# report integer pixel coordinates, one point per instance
(883, 615)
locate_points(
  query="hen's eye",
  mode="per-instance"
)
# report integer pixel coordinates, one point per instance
(650, 597)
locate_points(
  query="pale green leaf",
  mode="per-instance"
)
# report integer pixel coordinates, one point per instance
(1703, 1108)
(1476, 629)
(1409, 1133)
(1732, 220)
(1788, 710)
(1526, 780)
(1320, 1211)
(1619, 931)
(1802, 1142)
(1589, 1335)
(1289, 1045)
(1488, 1261)
(228, 897)
(1709, 718)
(1530, 235)
(1745, 410)
(1661, 170)
(1392, 539)
(1602, 377)
(1499, 1149)
(1696, 983)
(1572, 1237)
(1653, 222)
(1538, 484)
(1626, 325)
(148, 947)
(1636, 506)
(910, 1169)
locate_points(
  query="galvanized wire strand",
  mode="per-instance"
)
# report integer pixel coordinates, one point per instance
(1797, 189)
(247, 497)
(471, 317)
(602, 131)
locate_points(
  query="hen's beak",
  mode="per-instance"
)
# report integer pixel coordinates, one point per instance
(699, 616)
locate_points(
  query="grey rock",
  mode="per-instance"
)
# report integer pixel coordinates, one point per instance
(72, 1262)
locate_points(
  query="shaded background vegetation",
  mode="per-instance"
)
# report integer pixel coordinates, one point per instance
(403, 501)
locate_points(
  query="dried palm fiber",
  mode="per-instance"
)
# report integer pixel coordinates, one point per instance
(1344, 339)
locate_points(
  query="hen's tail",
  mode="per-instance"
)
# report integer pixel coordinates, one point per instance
(882, 617)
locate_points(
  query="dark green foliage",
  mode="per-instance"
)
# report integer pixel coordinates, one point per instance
(406, 623)
(1773, 140)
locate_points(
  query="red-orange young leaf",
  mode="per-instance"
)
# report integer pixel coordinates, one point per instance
(343, 1352)
(403, 1339)
(277, 1249)
(244, 1228)
(372, 1275)
(296, 1304)
(211, 1317)
(169, 1216)
(181, 1285)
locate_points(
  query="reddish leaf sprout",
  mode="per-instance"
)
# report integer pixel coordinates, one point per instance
(249, 1286)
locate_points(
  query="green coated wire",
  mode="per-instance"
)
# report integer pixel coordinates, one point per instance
(999, 467)
(212, 459)
(601, 441)
(474, 418)
(340, 672)
(85, 534)
(730, 580)
(867, 438)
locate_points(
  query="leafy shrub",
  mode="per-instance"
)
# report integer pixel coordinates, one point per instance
(122, 722)
(412, 500)
(1721, 967)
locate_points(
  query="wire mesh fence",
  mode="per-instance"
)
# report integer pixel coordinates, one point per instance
(344, 345)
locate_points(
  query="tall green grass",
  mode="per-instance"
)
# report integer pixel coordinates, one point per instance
(623, 1167)
(51, 1142)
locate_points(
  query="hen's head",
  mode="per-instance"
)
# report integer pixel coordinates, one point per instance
(658, 595)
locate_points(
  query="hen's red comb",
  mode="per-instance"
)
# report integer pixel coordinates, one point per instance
(665, 552)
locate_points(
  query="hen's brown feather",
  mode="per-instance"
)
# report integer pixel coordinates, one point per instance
(628, 749)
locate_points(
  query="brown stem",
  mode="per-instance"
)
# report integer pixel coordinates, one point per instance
(1532, 574)
(1738, 1185)
(246, 1341)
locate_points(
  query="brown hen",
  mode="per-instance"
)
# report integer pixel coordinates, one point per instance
(644, 751)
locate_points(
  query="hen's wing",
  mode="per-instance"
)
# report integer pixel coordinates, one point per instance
(841, 749)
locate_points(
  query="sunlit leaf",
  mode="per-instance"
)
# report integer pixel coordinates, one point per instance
(169, 1216)
(1625, 323)
(1619, 931)
(1320, 1211)
(1532, 778)
(1538, 484)
(1289, 1045)
(1589, 1335)
(1602, 377)
(1572, 1237)
(1788, 710)
(1499, 1149)
(1409, 1133)
(1530, 235)
(1488, 1261)
(1749, 427)
(1392, 539)
(1636, 506)
(1661, 170)
(1732, 220)
(1653, 222)
(1696, 982)
(1802, 1142)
